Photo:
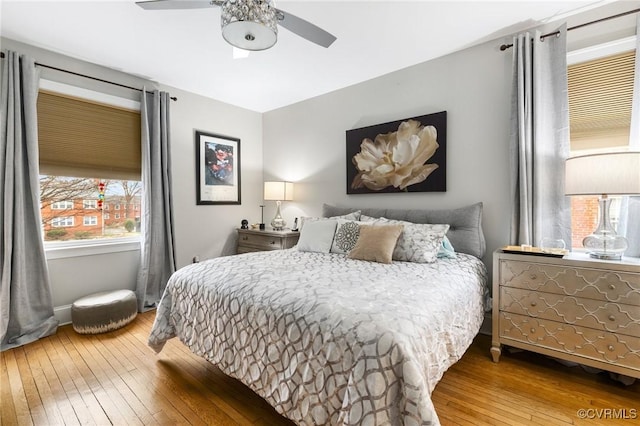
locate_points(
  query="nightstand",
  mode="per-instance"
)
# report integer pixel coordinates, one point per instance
(574, 308)
(255, 240)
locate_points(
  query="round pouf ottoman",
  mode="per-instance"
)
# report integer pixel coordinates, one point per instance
(102, 312)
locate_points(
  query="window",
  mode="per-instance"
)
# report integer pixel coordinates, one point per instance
(117, 215)
(117, 207)
(63, 221)
(89, 146)
(600, 98)
(62, 205)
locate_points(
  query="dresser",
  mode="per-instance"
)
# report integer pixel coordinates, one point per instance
(255, 240)
(574, 308)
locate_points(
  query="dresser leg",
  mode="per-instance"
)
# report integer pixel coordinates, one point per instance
(495, 353)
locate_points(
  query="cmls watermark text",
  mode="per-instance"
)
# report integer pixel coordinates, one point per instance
(608, 413)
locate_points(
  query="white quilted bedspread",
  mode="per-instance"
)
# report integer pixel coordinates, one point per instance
(325, 339)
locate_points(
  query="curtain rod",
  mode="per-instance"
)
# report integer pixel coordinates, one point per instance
(173, 98)
(619, 15)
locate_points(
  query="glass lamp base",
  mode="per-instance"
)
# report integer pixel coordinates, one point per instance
(278, 222)
(605, 246)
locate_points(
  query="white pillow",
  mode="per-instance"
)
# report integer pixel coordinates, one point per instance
(350, 216)
(317, 235)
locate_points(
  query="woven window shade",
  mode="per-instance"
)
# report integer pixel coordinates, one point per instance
(600, 95)
(81, 138)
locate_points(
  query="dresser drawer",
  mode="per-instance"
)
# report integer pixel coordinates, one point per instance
(589, 313)
(261, 242)
(589, 283)
(617, 349)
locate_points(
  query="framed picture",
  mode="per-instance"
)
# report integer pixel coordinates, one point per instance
(217, 169)
(407, 155)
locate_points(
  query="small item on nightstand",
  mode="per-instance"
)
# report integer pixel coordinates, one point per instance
(244, 224)
(295, 225)
(262, 227)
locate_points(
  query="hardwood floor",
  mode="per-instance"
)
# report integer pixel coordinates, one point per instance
(115, 378)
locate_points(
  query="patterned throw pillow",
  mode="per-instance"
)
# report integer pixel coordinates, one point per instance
(346, 236)
(420, 243)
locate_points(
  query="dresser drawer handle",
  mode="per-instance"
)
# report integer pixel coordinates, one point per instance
(611, 348)
(245, 238)
(612, 287)
(533, 276)
(534, 303)
(612, 318)
(533, 330)
(273, 242)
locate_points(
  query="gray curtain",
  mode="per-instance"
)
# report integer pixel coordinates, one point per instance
(26, 306)
(629, 224)
(539, 142)
(157, 261)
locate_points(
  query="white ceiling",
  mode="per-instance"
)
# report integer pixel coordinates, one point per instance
(185, 49)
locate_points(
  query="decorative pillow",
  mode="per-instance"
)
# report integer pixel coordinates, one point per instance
(346, 236)
(420, 242)
(376, 243)
(446, 250)
(317, 236)
(350, 216)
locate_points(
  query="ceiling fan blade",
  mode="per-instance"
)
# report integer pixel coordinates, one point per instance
(305, 29)
(177, 4)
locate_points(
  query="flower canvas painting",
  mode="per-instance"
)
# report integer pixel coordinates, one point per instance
(401, 156)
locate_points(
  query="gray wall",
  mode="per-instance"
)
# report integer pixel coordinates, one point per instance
(305, 142)
(205, 231)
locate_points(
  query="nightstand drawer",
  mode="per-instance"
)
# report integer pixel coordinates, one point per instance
(590, 283)
(262, 242)
(614, 317)
(250, 240)
(615, 349)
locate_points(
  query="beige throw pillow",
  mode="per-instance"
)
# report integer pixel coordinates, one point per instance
(376, 243)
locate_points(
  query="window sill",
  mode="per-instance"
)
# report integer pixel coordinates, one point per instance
(66, 249)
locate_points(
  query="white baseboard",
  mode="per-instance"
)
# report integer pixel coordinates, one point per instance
(62, 314)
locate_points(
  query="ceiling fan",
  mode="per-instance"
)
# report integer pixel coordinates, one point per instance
(250, 24)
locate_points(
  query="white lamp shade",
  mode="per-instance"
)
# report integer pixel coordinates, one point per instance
(613, 173)
(278, 191)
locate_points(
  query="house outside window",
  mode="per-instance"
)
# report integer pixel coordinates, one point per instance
(63, 221)
(117, 216)
(89, 204)
(62, 205)
(105, 206)
(105, 216)
(90, 220)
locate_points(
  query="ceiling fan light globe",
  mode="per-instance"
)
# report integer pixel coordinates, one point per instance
(249, 24)
(249, 35)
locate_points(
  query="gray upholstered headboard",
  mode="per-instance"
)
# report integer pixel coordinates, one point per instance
(465, 231)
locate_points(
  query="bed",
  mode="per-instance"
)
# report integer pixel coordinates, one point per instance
(327, 339)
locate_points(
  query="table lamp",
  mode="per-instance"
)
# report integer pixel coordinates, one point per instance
(604, 174)
(278, 192)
